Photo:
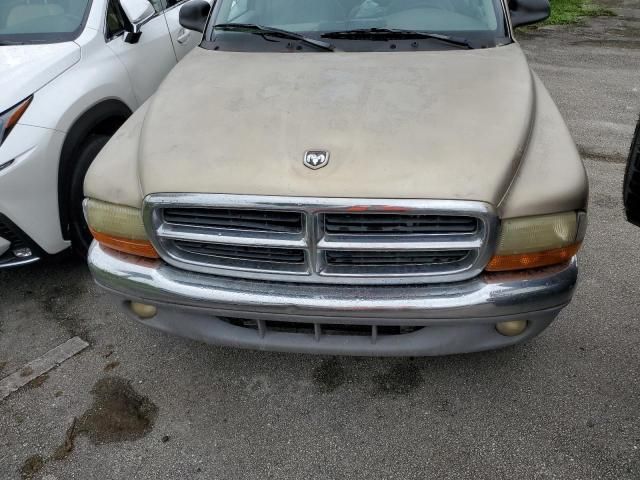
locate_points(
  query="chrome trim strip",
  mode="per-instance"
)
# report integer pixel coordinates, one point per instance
(437, 245)
(19, 262)
(325, 204)
(200, 235)
(393, 271)
(314, 241)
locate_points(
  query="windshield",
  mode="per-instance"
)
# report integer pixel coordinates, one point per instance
(41, 21)
(476, 21)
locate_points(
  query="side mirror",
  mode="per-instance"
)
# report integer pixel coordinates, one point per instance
(138, 13)
(193, 15)
(526, 12)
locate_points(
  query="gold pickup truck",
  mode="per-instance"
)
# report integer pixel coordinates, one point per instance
(363, 177)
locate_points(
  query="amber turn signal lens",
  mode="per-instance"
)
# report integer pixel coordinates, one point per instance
(141, 248)
(17, 113)
(10, 118)
(522, 261)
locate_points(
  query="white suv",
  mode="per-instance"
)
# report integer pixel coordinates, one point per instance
(71, 72)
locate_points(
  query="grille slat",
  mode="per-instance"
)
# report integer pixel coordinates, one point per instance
(236, 219)
(387, 223)
(238, 252)
(360, 258)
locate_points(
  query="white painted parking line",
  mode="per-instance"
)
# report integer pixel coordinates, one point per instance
(40, 365)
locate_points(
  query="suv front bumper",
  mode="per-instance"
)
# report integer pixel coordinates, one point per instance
(29, 212)
(457, 317)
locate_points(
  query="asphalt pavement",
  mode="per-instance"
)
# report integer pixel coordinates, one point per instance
(138, 404)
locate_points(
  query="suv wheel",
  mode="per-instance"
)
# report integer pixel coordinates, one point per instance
(631, 191)
(78, 229)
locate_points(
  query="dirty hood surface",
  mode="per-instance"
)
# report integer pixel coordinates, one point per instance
(448, 124)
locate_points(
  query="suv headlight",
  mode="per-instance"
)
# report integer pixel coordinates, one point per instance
(10, 118)
(540, 241)
(118, 227)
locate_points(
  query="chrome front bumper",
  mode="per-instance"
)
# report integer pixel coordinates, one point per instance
(460, 317)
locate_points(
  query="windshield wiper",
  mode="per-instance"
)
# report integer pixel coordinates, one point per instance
(276, 32)
(395, 34)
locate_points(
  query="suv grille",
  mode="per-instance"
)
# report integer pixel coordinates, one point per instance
(322, 240)
(9, 234)
(17, 240)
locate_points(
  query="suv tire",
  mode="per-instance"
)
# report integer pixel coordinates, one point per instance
(631, 191)
(78, 229)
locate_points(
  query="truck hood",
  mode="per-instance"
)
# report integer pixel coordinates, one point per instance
(448, 124)
(27, 68)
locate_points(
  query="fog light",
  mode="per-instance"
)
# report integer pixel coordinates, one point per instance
(511, 328)
(143, 310)
(23, 252)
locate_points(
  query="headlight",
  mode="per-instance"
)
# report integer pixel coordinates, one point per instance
(118, 227)
(10, 118)
(540, 241)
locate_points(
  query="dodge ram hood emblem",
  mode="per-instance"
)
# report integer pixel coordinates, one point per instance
(316, 159)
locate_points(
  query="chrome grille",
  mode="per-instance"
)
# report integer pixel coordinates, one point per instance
(297, 239)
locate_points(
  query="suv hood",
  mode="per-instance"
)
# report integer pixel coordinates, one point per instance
(449, 124)
(27, 68)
